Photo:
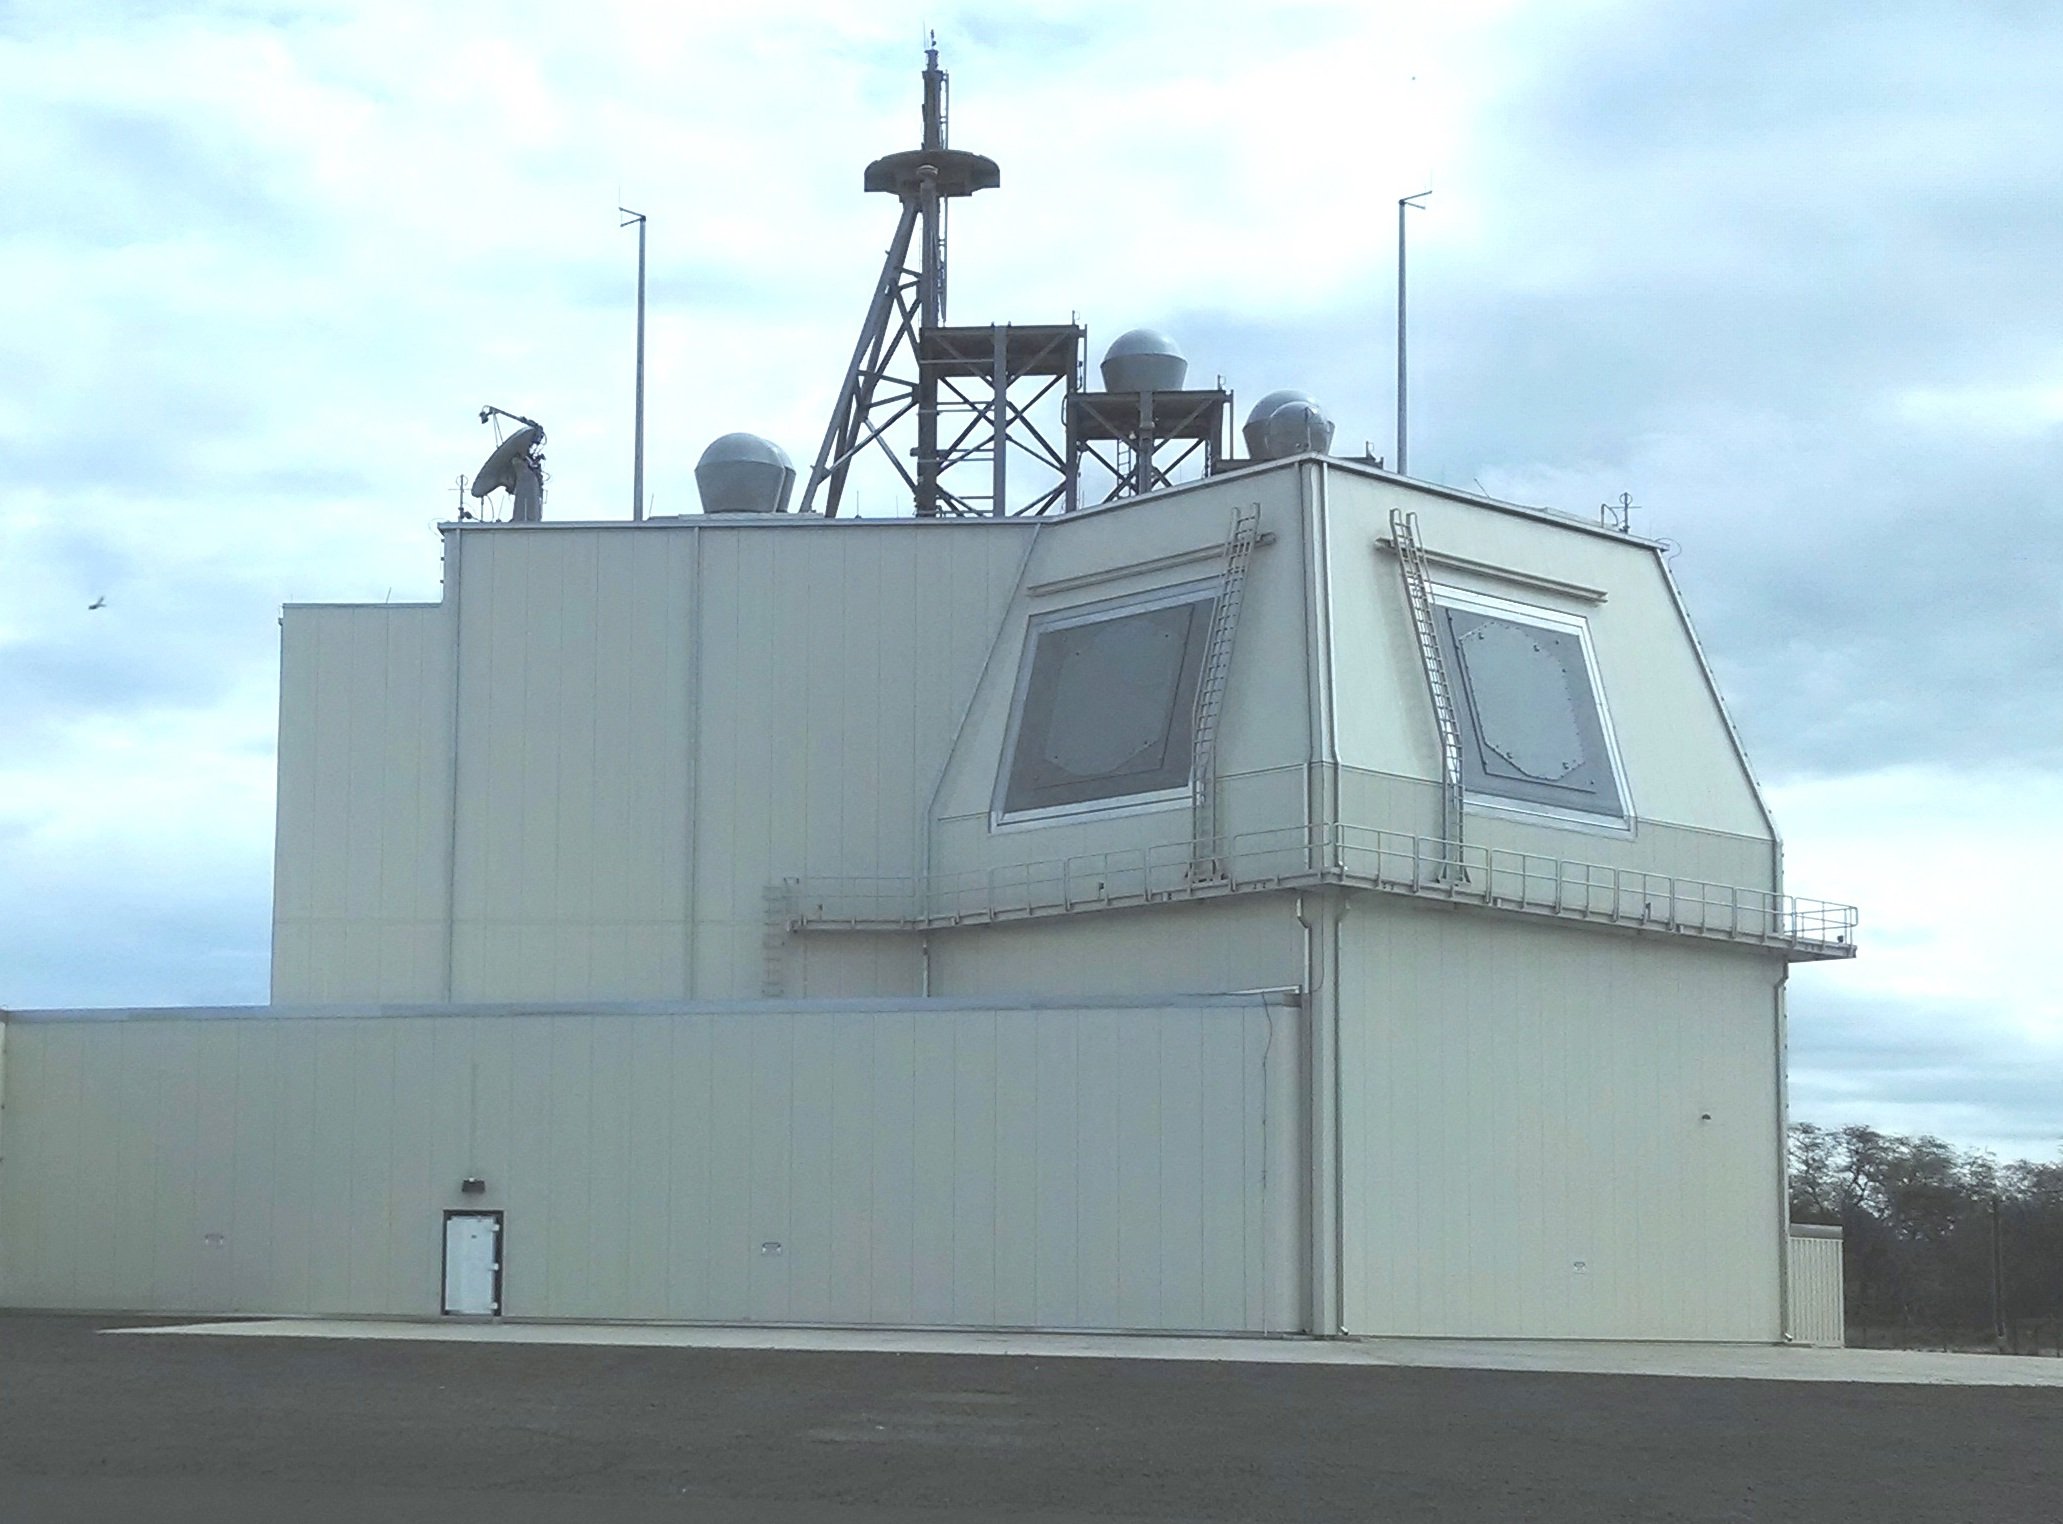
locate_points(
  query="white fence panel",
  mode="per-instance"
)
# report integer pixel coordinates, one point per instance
(1817, 1311)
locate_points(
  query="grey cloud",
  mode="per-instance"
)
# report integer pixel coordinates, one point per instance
(159, 939)
(1917, 1066)
(118, 175)
(1720, 246)
(688, 285)
(1868, 595)
(49, 683)
(169, 638)
(1015, 32)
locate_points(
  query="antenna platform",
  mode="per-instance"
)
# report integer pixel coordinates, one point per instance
(963, 384)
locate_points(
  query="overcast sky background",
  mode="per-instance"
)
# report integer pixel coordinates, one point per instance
(1788, 274)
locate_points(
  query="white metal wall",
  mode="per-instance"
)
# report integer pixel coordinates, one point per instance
(573, 774)
(653, 724)
(831, 684)
(1549, 1133)
(1698, 808)
(360, 883)
(1264, 738)
(656, 723)
(1253, 942)
(1076, 1167)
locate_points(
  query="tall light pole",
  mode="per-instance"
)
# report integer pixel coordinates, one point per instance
(637, 470)
(1403, 205)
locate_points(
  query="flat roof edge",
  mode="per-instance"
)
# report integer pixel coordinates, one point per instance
(1560, 518)
(872, 1004)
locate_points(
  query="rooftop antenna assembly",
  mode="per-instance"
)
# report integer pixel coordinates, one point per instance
(907, 360)
(516, 467)
(637, 469)
(1146, 414)
(1404, 204)
(1618, 515)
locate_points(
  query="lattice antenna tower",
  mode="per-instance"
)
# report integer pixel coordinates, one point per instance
(961, 384)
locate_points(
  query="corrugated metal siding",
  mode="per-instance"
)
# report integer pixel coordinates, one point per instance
(633, 771)
(1101, 1167)
(792, 725)
(1523, 1150)
(574, 770)
(834, 673)
(1249, 943)
(359, 899)
(1818, 1299)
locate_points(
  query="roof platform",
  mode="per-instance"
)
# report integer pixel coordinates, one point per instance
(1124, 416)
(1022, 349)
(1150, 435)
(976, 391)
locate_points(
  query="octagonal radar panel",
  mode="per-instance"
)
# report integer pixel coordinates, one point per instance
(1144, 360)
(743, 473)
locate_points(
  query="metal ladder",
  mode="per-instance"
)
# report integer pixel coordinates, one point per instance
(1411, 560)
(1207, 843)
(778, 912)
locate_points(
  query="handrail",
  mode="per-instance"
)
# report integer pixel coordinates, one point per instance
(1354, 856)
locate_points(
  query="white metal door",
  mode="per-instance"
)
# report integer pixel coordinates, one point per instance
(472, 1263)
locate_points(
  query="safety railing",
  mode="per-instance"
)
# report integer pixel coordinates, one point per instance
(1102, 880)
(1507, 879)
(1354, 856)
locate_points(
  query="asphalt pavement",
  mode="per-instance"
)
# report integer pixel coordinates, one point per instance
(109, 1427)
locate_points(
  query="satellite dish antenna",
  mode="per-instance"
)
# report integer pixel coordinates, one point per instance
(516, 467)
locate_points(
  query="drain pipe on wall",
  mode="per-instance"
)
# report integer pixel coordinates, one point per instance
(1323, 1244)
(1321, 1094)
(1783, 1154)
(1324, 727)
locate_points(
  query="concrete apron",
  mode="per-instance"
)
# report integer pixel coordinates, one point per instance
(1748, 1362)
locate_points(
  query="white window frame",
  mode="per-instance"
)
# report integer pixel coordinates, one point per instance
(1035, 629)
(1446, 595)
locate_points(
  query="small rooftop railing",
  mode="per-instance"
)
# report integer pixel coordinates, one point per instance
(1292, 857)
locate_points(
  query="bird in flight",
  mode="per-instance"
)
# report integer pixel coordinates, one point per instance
(97, 603)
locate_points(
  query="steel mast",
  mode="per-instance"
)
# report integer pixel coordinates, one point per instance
(909, 301)
(1404, 204)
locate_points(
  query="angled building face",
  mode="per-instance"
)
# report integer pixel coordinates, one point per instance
(1300, 900)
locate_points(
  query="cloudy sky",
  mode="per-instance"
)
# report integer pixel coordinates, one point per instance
(1785, 273)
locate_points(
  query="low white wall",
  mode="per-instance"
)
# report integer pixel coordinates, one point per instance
(1107, 1165)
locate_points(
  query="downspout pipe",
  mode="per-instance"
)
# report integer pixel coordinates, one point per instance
(454, 596)
(1783, 1153)
(1321, 1093)
(1321, 945)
